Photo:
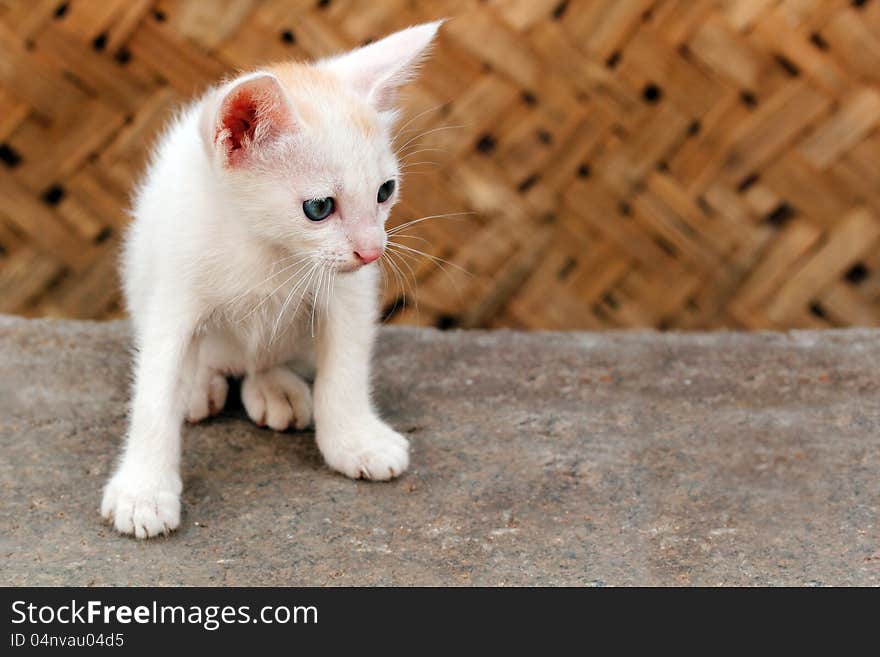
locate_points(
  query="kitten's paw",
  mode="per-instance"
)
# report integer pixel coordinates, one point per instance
(277, 398)
(369, 449)
(207, 397)
(142, 507)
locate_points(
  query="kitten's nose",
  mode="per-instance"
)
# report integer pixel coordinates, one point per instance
(368, 255)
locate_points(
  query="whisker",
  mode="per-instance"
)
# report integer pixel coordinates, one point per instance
(423, 150)
(390, 272)
(432, 257)
(416, 117)
(410, 165)
(317, 295)
(329, 275)
(257, 306)
(304, 292)
(397, 284)
(412, 237)
(384, 278)
(285, 304)
(440, 266)
(270, 277)
(415, 296)
(397, 229)
(406, 292)
(330, 287)
(425, 134)
(420, 173)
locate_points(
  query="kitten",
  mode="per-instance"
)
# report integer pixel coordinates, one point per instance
(253, 247)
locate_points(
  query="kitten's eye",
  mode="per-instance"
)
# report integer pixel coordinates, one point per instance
(318, 209)
(386, 189)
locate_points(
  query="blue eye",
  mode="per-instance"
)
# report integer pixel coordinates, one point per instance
(318, 209)
(386, 189)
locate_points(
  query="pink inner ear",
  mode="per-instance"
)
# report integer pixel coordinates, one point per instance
(240, 119)
(251, 117)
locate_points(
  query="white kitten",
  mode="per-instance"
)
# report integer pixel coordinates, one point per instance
(250, 251)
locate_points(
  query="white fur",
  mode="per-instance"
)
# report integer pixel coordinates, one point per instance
(224, 275)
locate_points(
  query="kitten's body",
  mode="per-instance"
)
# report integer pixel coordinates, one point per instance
(225, 275)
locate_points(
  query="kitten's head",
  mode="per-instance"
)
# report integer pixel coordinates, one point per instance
(302, 153)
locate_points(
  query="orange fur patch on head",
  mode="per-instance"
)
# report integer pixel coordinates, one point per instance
(309, 88)
(364, 120)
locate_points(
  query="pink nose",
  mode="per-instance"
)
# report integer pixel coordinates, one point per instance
(367, 256)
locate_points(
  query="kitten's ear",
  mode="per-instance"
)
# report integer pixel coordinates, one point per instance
(377, 70)
(245, 116)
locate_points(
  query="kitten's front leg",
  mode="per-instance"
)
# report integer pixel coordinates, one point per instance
(143, 496)
(350, 434)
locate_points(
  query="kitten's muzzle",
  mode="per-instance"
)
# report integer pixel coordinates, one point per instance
(366, 255)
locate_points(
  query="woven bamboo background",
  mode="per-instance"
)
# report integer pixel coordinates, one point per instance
(677, 164)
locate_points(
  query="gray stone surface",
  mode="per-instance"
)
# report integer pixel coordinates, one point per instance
(543, 458)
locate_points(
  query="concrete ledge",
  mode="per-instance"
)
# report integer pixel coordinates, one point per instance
(542, 458)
